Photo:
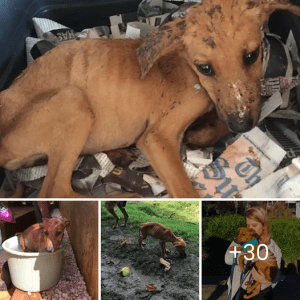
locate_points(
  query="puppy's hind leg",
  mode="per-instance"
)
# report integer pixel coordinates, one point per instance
(66, 141)
(56, 125)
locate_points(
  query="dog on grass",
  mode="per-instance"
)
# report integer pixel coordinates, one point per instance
(164, 234)
(268, 267)
(110, 206)
(90, 96)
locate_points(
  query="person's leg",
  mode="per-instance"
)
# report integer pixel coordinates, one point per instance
(240, 296)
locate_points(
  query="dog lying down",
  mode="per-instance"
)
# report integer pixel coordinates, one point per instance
(91, 96)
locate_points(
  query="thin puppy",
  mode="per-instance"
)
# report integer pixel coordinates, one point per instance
(110, 205)
(164, 234)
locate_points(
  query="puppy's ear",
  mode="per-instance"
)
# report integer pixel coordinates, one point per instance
(67, 223)
(176, 244)
(253, 232)
(166, 39)
(267, 7)
(181, 242)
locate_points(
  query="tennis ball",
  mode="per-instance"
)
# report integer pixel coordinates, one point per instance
(125, 271)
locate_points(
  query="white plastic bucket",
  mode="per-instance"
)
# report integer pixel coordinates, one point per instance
(33, 271)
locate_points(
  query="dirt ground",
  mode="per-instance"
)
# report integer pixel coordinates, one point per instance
(181, 282)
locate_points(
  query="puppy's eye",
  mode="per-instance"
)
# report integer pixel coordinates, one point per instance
(251, 57)
(206, 69)
(58, 233)
(46, 232)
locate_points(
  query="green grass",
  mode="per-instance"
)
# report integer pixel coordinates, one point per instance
(181, 216)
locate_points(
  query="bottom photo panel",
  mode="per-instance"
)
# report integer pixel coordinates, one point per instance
(150, 250)
(49, 250)
(250, 250)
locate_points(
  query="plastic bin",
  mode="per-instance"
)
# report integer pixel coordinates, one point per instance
(33, 271)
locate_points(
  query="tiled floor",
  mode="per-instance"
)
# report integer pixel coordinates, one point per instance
(15, 294)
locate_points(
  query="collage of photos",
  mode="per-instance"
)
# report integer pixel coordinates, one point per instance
(150, 249)
(149, 149)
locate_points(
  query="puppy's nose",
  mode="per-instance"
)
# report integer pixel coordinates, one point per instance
(239, 125)
(49, 249)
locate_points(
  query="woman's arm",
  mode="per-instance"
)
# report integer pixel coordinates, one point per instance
(278, 255)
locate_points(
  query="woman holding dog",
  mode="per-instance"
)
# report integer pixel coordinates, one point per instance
(256, 218)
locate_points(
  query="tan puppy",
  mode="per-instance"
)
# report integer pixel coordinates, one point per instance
(98, 95)
(110, 205)
(164, 234)
(268, 266)
(45, 236)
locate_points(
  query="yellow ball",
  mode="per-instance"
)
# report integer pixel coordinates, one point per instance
(125, 271)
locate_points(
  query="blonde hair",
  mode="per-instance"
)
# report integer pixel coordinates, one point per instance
(259, 214)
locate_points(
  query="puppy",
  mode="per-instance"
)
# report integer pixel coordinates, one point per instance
(110, 205)
(45, 236)
(90, 96)
(268, 267)
(164, 235)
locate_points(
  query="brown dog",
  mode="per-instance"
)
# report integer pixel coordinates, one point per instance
(268, 267)
(164, 235)
(98, 95)
(110, 205)
(45, 236)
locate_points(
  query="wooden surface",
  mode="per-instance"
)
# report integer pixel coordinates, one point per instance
(22, 210)
(83, 235)
(25, 217)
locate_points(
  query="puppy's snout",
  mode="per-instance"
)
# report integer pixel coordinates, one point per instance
(239, 125)
(49, 248)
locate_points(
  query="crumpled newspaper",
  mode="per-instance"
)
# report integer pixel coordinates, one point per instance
(50, 34)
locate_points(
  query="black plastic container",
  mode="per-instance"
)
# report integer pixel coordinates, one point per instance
(16, 24)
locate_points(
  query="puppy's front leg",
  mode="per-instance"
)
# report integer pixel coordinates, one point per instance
(163, 248)
(160, 143)
(163, 152)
